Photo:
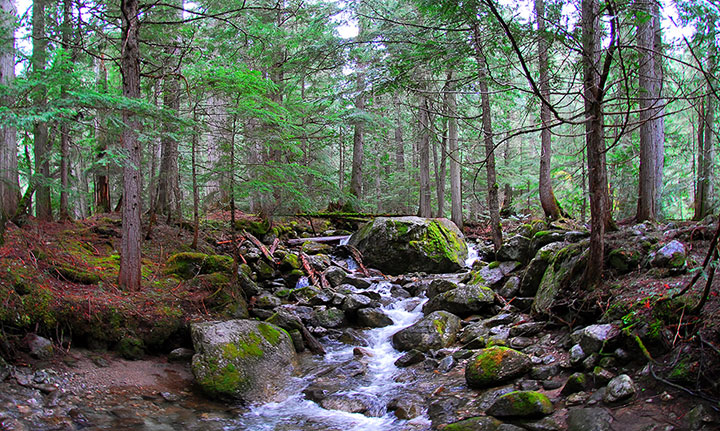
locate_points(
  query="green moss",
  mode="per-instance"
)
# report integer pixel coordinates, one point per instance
(225, 382)
(131, 348)
(242, 349)
(290, 261)
(439, 325)
(188, 265)
(525, 404)
(73, 274)
(271, 333)
(476, 279)
(541, 234)
(486, 364)
(494, 264)
(684, 372)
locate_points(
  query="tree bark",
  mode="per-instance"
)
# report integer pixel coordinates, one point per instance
(660, 113)
(492, 185)
(648, 101)
(547, 196)
(399, 142)
(424, 209)
(196, 192)
(43, 208)
(9, 179)
(593, 90)
(64, 126)
(456, 214)
(704, 195)
(102, 179)
(356, 177)
(130, 248)
(441, 164)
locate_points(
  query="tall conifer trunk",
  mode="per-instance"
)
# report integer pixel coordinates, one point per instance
(43, 208)
(9, 181)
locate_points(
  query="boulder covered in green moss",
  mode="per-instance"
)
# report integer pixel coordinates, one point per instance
(484, 423)
(397, 245)
(565, 264)
(242, 359)
(521, 404)
(435, 331)
(496, 365)
(188, 265)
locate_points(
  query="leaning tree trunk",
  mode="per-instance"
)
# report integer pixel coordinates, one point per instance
(9, 180)
(43, 208)
(547, 197)
(130, 244)
(492, 185)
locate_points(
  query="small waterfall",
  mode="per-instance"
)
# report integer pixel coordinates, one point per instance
(297, 413)
(472, 255)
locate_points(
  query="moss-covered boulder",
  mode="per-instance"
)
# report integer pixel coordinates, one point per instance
(521, 404)
(516, 248)
(188, 265)
(536, 269)
(623, 260)
(462, 301)
(565, 264)
(405, 244)
(672, 256)
(435, 331)
(242, 359)
(495, 365)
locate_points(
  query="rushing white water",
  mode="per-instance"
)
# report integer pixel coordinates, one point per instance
(472, 255)
(297, 413)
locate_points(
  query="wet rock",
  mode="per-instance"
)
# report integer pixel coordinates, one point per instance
(577, 355)
(353, 337)
(181, 354)
(285, 320)
(242, 359)
(444, 410)
(335, 275)
(438, 286)
(267, 300)
(543, 372)
(527, 329)
(366, 404)
(516, 248)
(577, 382)
(373, 318)
(406, 244)
(354, 302)
(591, 361)
(672, 255)
(484, 423)
(355, 281)
(40, 347)
(589, 419)
(521, 404)
(495, 365)
(592, 338)
(462, 301)
(601, 376)
(314, 247)
(248, 286)
(446, 364)
(406, 407)
(521, 343)
(327, 317)
(436, 330)
(510, 288)
(410, 358)
(565, 264)
(619, 389)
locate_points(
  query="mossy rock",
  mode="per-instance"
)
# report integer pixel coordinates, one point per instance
(435, 331)
(188, 265)
(73, 274)
(131, 348)
(567, 263)
(521, 404)
(264, 270)
(314, 247)
(242, 359)
(484, 423)
(257, 228)
(495, 365)
(623, 260)
(405, 244)
(290, 262)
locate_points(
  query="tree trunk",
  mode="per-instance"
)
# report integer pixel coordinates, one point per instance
(168, 176)
(700, 162)
(704, 196)
(102, 179)
(547, 197)
(356, 178)
(594, 139)
(399, 143)
(196, 193)
(424, 209)
(492, 185)
(454, 154)
(647, 205)
(43, 208)
(9, 180)
(64, 126)
(441, 164)
(130, 248)
(659, 128)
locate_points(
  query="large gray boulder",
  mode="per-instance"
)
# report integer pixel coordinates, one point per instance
(672, 255)
(495, 365)
(463, 301)
(434, 331)
(566, 264)
(397, 245)
(242, 359)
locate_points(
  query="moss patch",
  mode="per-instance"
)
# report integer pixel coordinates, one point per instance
(188, 265)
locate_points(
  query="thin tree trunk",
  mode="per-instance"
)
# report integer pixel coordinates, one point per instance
(704, 197)
(196, 193)
(399, 143)
(102, 179)
(130, 248)
(356, 178)
(64, 126)
(547, 197)
(9, 179)
(441, 164)
(699, 189)
(454, 154)
(43, 208)
(492, 185)
(424, 209)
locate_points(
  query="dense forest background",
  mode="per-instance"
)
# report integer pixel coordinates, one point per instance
(598, 111)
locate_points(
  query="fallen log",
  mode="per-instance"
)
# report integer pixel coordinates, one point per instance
(337, 238)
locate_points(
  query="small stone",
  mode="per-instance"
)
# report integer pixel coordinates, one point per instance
(543, 372)
(40, 347)
(181, 354)
(575, 383)
(601, 376)
(373, 318)
(410, 358)
(446, 364)
(589, 419)
(577, 398)
(620, 388)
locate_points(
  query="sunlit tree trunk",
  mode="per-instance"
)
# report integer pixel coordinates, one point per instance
(547, 197)
(9, 181)
(43, 208)
(130, 248)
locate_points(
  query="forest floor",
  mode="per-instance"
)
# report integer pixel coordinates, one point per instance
(59, 280)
